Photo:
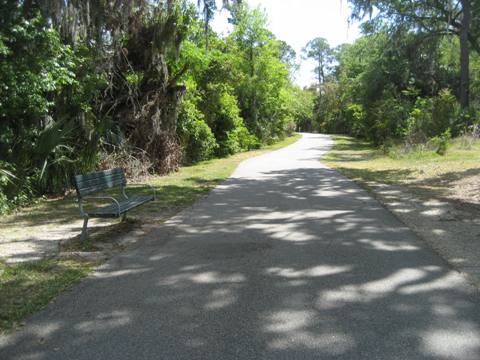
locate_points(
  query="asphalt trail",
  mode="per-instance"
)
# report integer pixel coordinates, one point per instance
(285, 260)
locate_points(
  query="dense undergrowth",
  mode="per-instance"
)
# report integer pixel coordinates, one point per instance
(144, 85)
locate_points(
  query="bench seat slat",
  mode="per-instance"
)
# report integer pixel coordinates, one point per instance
(98, 177)
(98, 181)
(111, 180)
(125, 205)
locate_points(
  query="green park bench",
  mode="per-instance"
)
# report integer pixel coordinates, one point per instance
(88, 185)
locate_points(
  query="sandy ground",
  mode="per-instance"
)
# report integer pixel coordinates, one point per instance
(37, 241)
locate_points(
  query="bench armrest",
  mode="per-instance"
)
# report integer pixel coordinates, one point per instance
(143, 185)
(86, 198)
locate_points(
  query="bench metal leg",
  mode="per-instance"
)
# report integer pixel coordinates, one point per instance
(124, 217)
(84, 235)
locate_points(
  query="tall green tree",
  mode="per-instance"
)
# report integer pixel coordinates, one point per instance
(319, 50)
(259, 57)
(433, 18)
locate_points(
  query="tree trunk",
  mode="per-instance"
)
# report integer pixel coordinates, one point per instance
(465, 55)
(321, 75)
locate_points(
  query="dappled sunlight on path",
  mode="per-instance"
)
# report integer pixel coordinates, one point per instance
(285, 260)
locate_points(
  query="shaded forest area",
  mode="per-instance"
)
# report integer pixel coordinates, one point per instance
(145, 85)
(412, 80)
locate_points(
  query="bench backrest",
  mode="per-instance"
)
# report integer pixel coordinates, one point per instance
(100, 180)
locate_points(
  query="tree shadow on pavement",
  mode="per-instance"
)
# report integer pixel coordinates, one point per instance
(295, 264)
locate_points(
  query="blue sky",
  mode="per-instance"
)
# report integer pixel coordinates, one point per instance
(298, 21)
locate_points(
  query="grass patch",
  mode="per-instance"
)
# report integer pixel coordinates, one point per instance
(421, 170)
(28, 287)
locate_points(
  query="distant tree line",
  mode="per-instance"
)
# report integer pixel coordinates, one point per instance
(414, 75)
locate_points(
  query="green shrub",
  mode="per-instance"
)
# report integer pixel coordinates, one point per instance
(431, 117)
(14, 192)
(440, 143)
(240, 138)
(418, 122)
(355, 115)
(6, 178)
(445, 113)
(390, 115)
(222, 114)
(196, 137)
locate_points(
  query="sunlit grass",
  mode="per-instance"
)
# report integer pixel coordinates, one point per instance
(28, 287)
(363, 162)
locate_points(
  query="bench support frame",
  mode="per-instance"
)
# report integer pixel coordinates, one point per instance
(84, 235)
(93, 183)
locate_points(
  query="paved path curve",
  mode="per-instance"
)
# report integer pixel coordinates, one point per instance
(285, 260)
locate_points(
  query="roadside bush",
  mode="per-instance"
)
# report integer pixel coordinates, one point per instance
(222, 114)
(431, 117)
(440, 143)
(196, 137)
(6, 178)
(356, 116)
(241, 139)
(389, 116)
(327, 113)
(445, 113)
(418, 122)
(14, 192)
